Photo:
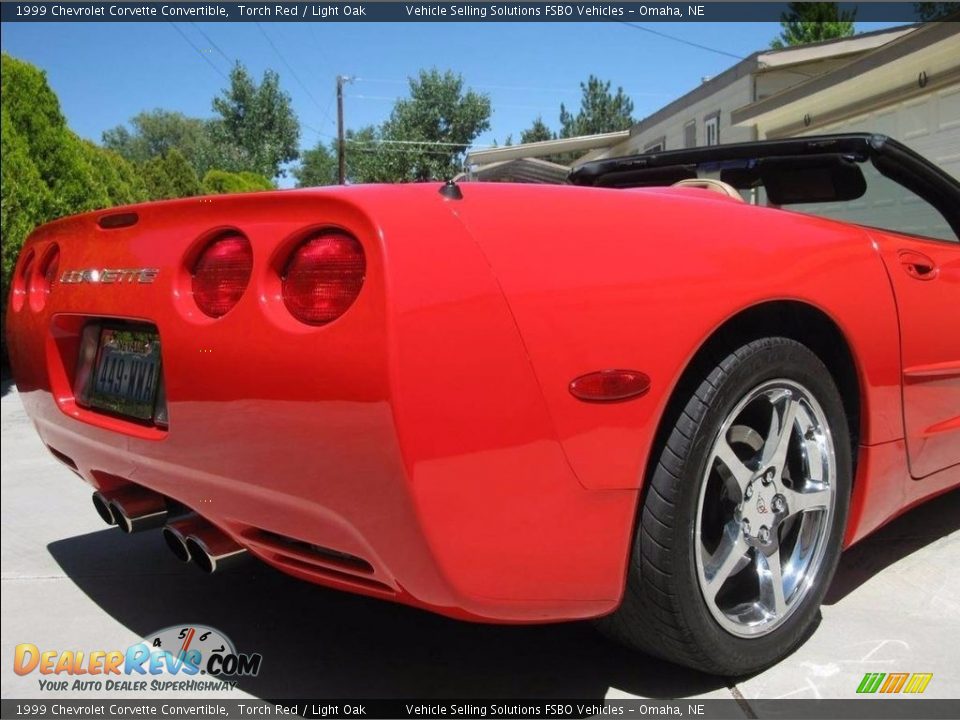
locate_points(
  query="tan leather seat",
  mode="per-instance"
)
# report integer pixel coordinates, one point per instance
(710, 184)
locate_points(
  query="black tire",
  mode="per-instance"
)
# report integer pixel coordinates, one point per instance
(663, 611)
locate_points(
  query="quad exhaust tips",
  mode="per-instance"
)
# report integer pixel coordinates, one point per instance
(131, 509)
(192, 538)
(189, 537)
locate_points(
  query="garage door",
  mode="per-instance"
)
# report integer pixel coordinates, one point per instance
(930, 125)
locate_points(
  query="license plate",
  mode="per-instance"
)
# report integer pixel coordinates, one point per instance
(127, 373)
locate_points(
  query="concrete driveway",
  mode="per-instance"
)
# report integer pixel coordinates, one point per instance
(68, 581)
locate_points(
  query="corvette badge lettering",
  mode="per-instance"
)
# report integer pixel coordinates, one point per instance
(107, 276)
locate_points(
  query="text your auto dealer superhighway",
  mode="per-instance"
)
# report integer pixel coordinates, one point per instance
(138, 11)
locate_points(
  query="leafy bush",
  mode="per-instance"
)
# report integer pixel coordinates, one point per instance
(217, 182)
(169, 176)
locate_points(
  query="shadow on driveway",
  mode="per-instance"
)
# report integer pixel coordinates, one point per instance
(922, 526)
(6, 380)
(321, 643)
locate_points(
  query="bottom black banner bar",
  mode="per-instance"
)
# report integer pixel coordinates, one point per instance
(867, 707)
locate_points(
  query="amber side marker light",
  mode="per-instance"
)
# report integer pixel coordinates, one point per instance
(610, 385)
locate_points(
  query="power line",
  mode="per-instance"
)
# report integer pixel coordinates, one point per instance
(375, 150)
(289, 67)
(680, 40)
(524, 88)
(318, 45)
(199, 52)
(213, 44)
(326, 112)
(395, 81)
(390, 98)
(315, 130)
(414, 142)
(394, 98)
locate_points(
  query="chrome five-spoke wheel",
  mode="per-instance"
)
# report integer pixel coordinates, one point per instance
(765, 508)
(744, 512)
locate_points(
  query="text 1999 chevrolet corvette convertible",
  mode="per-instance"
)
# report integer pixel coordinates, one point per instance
(641, 399)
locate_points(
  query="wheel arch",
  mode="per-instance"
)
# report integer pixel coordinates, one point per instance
(797, 320)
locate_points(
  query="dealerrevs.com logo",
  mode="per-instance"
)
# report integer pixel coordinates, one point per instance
(177, 658)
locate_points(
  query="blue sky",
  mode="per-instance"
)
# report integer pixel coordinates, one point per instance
(104, 73)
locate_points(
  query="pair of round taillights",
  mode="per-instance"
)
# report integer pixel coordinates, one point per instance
(32, 284)
(320, 279)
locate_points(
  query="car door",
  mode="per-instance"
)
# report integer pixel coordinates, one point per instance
(925, 274)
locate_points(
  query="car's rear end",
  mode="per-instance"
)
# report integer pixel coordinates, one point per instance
(330, 380)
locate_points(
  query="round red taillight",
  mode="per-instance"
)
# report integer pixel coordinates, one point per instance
(323, 277)
(221, 274)
(40, 282)
(18, 292)
(50, 271)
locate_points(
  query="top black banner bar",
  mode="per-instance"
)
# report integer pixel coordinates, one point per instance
(448, 11)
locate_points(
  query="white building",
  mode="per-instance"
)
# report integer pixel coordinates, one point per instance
(903, 82)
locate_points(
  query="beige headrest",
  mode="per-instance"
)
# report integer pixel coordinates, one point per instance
(711, 184)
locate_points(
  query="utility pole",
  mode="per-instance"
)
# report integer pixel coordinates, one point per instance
(341, 145)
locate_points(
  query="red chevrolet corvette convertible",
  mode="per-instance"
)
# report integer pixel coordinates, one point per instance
(664, 396)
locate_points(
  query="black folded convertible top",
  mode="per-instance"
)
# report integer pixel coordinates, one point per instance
(891, 158)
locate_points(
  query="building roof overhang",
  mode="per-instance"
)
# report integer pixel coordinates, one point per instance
(884, 67)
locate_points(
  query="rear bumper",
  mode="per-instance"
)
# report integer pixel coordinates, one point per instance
(350, 493)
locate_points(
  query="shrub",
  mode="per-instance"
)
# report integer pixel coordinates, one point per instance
(217, 182)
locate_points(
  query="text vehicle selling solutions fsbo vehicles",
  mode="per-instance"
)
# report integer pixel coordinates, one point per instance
(665, 396)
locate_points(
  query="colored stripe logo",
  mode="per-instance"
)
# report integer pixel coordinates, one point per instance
(889, 683)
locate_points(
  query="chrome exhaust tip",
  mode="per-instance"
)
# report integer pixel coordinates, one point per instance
(212, 551)
(138, 510)
(102, 505)
(177, 544)
(175, 535)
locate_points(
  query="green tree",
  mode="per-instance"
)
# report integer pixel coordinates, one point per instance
(927, 11)
(46, 170)
(119, 179)
(257, 129)
(169, 176)
(25, 199)
(34, 111)
(427, 134)
(24, 203)
(601, 110)
(371, 161)
(318, 166)
(810, 22)
(220, 181)
(156, 132)
(537, 132)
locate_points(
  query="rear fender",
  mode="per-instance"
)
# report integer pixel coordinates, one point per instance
(605, 279)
